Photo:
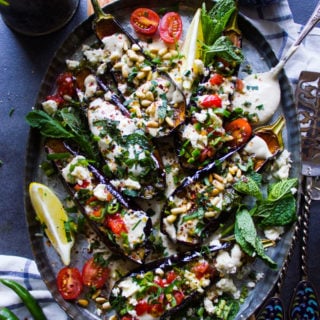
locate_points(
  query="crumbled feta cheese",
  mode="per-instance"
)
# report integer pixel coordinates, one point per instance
(100, 192)
(94, 55)
(282, 165)
(90, 84)
(72, 64)
(274, 233)
(75, 172)
(128, 287)
(208, 305)
(228, 263)
(227, 285)
(197, 140)
(50, 106)
(135, 225)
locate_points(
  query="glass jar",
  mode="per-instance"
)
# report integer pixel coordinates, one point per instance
(38, 17)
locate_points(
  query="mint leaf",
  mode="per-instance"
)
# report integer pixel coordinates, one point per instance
(215, 21)
(246, 236)
(277, 213)
(48, 126)
(281, 189)
(248, 186)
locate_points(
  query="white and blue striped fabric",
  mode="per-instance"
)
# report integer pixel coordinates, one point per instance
(25, 272)
(276, 23)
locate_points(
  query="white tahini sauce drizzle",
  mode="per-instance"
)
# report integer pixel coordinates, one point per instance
(261, 96)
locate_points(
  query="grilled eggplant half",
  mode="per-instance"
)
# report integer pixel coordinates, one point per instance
(207, 197)
(122, 227)
(201, 202)
(163, 287)
(151, 96)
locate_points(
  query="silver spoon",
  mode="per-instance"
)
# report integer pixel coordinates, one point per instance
(263, 89)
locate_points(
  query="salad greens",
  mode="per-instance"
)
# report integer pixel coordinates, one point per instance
(213, 23)
(277, 209)
(67, 124)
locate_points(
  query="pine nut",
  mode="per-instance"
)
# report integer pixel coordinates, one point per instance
(171, 218)
(83, 303)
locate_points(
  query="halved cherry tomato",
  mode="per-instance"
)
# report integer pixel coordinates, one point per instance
(156, 309)
(171, 276)
(94, 274)
(239, 85)
(85, 184)
(170, 27)
(116, 224)
(142, 307)
(241, 131)
(69, 283)
(216, 79)
(160, 282)
(211, 101)
(66, 85)
(144, 21)
(200, 269)
(178, 296)
(127, 317)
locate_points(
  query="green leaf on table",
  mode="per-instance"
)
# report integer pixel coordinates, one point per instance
(48, 126)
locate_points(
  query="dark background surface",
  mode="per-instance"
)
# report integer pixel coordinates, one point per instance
(23, 63)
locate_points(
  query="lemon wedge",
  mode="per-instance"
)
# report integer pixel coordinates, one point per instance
(191, 51)
(51, 213)
(191, 47)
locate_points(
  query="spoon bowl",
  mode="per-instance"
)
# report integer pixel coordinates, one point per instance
(263, 89)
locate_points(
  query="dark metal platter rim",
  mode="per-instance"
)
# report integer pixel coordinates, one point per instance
(34, 147)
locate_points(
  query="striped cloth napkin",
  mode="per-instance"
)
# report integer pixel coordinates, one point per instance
(276, 23)
(25, 272)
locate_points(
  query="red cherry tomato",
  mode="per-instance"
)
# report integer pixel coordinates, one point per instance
(171, 276)
(156, 309)
(239, 85)
(170, 27)
(211, 101)
(142, 307)
(94, 274)
(160, 282)
(116, 224)
(69, 283)
(179, 296)
(144, 21)
(66, 85)
(201, 268)
(127, 318)
(241, 131)
(216, 79)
